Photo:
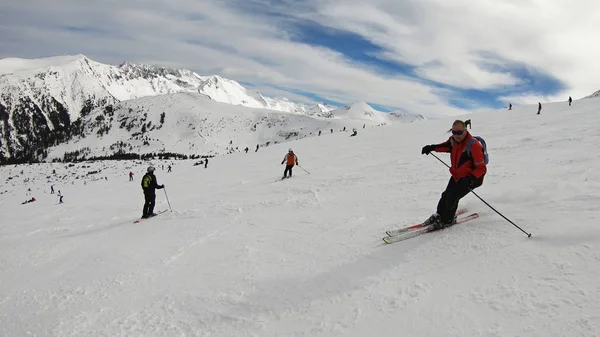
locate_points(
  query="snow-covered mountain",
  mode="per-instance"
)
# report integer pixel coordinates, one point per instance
(45, 102)
(596, 94)
(404, 117)
(363, 111)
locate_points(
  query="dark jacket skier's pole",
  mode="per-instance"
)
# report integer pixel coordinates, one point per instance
(166, 196)
(528, 234)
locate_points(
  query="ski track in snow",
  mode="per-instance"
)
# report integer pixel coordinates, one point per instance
(244, 253)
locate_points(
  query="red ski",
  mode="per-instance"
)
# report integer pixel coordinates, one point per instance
(399, 231)
(422, 230)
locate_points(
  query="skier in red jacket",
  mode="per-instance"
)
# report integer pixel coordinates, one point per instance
(467, 169)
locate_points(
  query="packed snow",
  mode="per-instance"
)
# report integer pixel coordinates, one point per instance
(242, 253)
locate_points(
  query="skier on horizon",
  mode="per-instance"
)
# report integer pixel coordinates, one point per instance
(539, 107)
(149, 185)
(467, 170)
(290, 158)
(570, 100)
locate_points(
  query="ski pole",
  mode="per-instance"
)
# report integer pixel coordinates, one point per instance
(490, 206)
(303, 169)
(164, 189)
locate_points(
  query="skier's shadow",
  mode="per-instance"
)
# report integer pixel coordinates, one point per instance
(95, 230)
(279, 295)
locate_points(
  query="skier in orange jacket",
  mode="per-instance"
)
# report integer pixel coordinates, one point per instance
(290, 159)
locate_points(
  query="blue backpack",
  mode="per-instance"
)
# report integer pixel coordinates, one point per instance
(483, 145)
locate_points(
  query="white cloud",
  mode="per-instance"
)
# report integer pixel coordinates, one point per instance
(557, 36)
(445, 40)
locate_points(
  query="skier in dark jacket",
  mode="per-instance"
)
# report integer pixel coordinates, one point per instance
(149, 185)
(467, 170)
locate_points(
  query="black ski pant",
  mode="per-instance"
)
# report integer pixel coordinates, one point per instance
(288, 168)
(150, 200)
(455, 191)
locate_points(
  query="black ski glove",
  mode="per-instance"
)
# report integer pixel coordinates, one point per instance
(281, 163)
(427, 149)
(470, 180)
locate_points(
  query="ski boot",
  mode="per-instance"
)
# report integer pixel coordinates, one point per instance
(435, 221)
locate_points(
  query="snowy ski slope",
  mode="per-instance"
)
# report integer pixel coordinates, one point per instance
(245, 254)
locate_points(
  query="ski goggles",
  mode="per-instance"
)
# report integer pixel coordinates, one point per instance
(457, 133)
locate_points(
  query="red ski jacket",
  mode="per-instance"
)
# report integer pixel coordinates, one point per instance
(461, 163)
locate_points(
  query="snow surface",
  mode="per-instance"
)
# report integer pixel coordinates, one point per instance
(245, 254)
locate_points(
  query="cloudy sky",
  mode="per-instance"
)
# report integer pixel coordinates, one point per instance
(426, 56)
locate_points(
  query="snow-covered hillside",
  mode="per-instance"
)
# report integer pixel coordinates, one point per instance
(245, 254)
(192, 124)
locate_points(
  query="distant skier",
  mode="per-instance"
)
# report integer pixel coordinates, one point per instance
(257, 146)
(51, 189)
(354, 133)
(539, 107)
(509, 106)
(246, 149)
(290, 158)
(149, 185)
(130, 176)
(28, 201)
(60, 197)
(319, 132)
(570, 100)
(168, 168)
(331, 130)
(467, 170)
(205, 162)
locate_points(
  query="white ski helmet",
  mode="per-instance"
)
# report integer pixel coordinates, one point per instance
(150, 169)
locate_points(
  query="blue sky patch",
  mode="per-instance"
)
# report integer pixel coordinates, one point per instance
(353, 46)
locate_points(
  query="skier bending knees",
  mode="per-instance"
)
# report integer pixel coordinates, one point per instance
(467, 167)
